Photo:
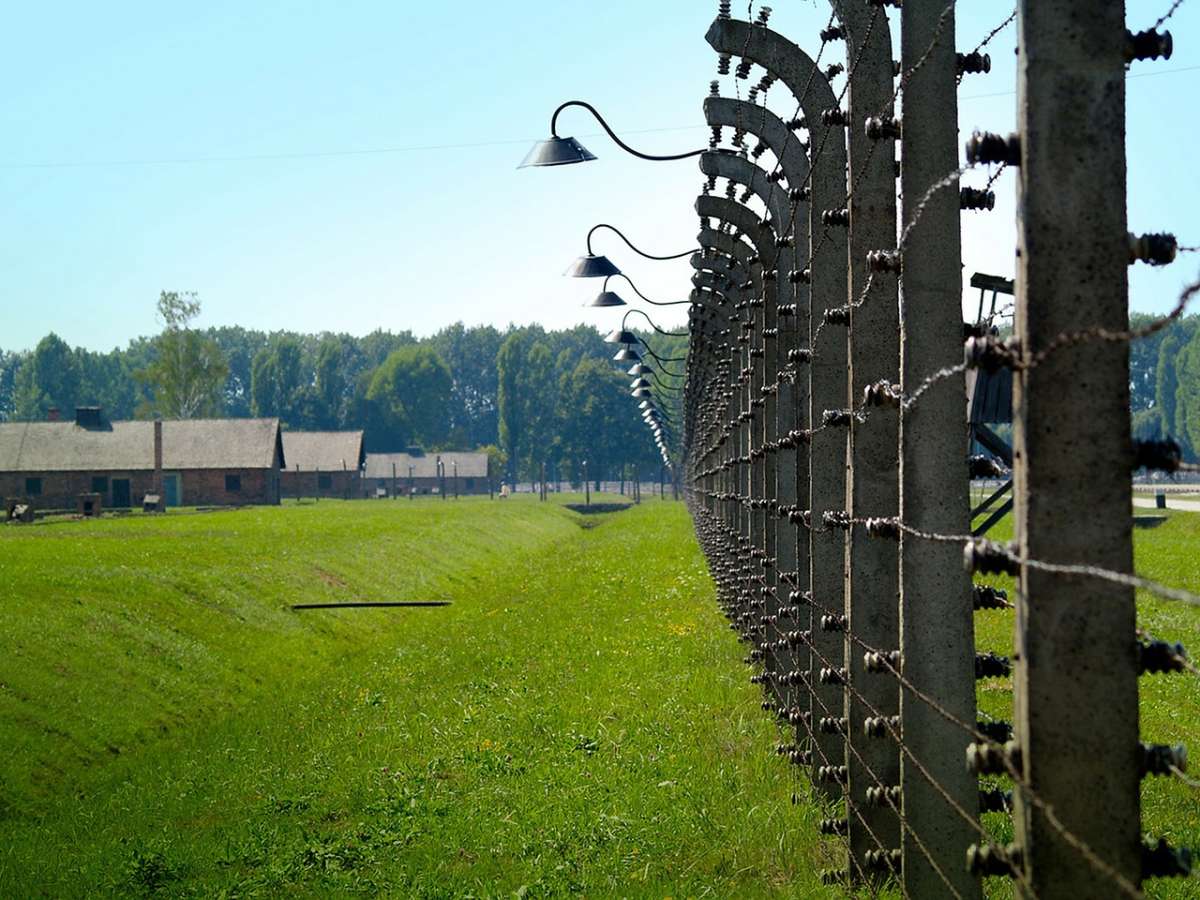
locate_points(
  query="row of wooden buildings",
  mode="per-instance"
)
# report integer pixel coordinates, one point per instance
(211, 462)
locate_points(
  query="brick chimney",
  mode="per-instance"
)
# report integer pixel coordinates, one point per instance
(53, 415)
(91, 417)
(158, 457)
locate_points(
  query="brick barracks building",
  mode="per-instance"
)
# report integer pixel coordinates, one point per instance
(323, 464)
(201, 462)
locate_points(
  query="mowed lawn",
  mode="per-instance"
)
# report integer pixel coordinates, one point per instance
(577, 721)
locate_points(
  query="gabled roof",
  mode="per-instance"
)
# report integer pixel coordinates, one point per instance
(324, 451)
(470, 465)
(129, 446)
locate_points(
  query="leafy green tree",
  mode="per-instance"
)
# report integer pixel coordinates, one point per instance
(9, 363)
(497, 460)
(407, 399)
(1187, 395)
(239, 345)
(50, 378)
(188, 372)
(1166, 385)
(1143, 363)
(510, 360)
(542, 410)
(471, 355)
(1145, 425)
(277, 380)
(330, 387)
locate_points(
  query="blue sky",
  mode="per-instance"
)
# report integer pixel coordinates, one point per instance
(127, 128)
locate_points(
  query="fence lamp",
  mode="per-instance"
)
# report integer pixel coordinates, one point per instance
(563, 151)
(594, 265)
(612, 298)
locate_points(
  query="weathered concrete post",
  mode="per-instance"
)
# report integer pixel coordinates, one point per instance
(937, 629)
(872, 613)
(762, 239)
(785, 402)
(827, 369)
(738, 170)
(749, 530)
(1076, 703)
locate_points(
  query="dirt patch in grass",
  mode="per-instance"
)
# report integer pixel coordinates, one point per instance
(330, 579)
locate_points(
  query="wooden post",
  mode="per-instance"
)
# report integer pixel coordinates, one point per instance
(394, 480)
(1076, 691)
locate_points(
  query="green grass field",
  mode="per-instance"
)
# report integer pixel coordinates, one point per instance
(578, 721)
(1169, 704)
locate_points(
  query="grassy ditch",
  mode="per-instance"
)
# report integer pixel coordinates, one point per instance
(577, 722)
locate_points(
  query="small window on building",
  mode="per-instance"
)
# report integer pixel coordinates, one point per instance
(33, 487)
(233, 484)
(99, 484)
(324, 481)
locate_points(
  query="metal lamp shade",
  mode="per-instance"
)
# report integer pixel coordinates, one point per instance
(646, 404)
(639, 369)
(620, 336)
(640, 392)
(592, 266)
(640, 383)
(607, 298)
(627, 355)
(556, 152)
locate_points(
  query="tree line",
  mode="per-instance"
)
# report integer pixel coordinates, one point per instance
(529, 395)
(1165, 382)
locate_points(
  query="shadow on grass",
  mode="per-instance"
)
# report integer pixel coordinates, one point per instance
(597, 508)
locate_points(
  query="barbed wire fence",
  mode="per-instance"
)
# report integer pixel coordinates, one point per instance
(824, 420)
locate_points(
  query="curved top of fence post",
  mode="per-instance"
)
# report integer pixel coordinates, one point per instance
(717, 263)
(701, 278)
(740, 217)
(793, 162)
(738, 169)
(768, 128)
(730, 245)
(724, 271)
(792, 66)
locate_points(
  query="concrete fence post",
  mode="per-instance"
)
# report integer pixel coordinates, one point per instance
(784, 402)
(761, 585)
(1076, 693)
(872, 612)
(826, 373)
(937, 633)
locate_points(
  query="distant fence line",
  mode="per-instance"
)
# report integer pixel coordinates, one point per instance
(825, 441)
